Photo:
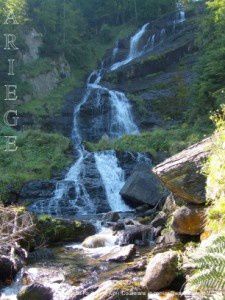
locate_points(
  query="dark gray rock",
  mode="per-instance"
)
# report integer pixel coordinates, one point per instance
(110, 217)
(95, 116)
(94, 186)
(131, 161)
(35, 292)
(160, 220)
(169, 238)
(40, 254)
(37, 189)
(137, 234)
(143, 187)
(118, 226)
(7, 270)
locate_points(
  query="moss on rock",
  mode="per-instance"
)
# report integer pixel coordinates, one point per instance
(54, 230)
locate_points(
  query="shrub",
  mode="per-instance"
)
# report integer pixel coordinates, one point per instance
(106, 33)
(39, 156)
(215, 171)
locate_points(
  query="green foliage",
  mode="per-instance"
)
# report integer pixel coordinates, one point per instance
(209, 262)
(18, 7)
(211, 65)
(120, 12)
(37, 67)
(106, 33)
(215, 171)
(57, 230)
(169, 141)
(52, 104)
(39, 155)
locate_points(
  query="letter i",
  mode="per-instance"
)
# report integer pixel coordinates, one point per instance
(11, 67)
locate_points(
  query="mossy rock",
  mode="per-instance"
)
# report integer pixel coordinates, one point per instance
(54, 230)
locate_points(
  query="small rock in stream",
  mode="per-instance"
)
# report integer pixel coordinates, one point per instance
(120, 254)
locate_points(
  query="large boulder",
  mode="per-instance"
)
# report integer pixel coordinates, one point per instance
(161, 271)
(189, 220)
(182, 175)
(142, 187)
(7, 270)
(53, 230)
(35, 292)
(116, 290)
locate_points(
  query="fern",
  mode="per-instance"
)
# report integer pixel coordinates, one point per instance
(209, 263)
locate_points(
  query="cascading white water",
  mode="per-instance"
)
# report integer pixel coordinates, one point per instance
(134, 50)
(113, 178)
(122, 120)
(115, 50)
(76, 171)
(182, 17)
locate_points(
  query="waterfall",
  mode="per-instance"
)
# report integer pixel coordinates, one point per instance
(113, 178)
(182, 17)
(106, 164)
(115, 50)
(134, 49)
(122, 120)
(108, 176)
(134, 52)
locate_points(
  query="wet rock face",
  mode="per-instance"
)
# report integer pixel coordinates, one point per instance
(142, 187)
(93, 183)
(64, 123)
(95, 116)
(39, 195)
(37, 189)
(7, 270)
(36, 292)
(131, 161)
(161, 271)
(189, 220)
(181, 173)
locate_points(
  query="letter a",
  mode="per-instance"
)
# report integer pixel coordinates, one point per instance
(11, 17)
